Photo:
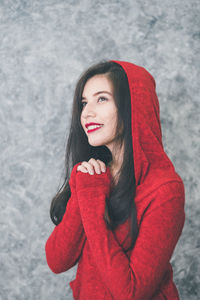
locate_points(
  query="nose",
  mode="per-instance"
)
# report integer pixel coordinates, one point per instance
(88, 111)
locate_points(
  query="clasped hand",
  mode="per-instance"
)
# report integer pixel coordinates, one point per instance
(92, 166)
(80, 181)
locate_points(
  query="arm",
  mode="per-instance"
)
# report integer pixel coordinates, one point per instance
(64, 246)
(139, 276)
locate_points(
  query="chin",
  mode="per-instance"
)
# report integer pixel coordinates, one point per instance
(95, 143)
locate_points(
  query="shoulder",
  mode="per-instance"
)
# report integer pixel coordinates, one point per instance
(168, 198)
(171, 191)
(161, 180)
(172, 188)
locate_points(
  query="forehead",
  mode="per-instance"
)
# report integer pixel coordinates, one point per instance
(97, 83)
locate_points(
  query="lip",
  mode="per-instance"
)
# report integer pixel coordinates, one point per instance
(94, 129)
(92, 123)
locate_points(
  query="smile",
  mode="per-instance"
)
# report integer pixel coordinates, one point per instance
(93, 128)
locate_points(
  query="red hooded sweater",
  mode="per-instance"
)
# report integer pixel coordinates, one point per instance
(104, 270)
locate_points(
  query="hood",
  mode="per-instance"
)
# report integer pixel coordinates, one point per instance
(152, 165)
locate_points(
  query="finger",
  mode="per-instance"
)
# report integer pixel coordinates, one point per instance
(89, 167)
(82, 169)
(96, 164)
(102, 165)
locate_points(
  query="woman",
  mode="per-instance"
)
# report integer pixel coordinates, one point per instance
(121, 213)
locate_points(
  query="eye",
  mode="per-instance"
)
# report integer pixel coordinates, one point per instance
(83, 102)
(102, 98)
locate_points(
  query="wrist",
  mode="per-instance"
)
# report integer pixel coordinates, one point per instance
(72, 180)
(87, 181)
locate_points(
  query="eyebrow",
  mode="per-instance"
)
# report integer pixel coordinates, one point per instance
(98, 94)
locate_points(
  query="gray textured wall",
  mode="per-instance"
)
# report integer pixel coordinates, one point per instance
(44, 46)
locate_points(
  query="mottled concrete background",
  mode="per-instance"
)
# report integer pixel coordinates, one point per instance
(44, 46)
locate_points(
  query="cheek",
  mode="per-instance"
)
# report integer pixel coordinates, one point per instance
(110, 114)
(81, 121)
(113, 120)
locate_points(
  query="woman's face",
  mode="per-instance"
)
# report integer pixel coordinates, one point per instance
(98, 106)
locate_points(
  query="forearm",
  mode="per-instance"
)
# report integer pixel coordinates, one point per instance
(64, 246)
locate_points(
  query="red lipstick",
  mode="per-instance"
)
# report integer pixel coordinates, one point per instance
(93, 129)
(92, 123)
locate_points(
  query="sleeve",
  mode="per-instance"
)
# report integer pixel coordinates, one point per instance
(64, 246)
(139, 276)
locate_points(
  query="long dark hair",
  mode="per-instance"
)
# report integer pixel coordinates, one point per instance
(120, 204)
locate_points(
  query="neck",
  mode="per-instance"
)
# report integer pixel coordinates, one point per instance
(117, 160)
